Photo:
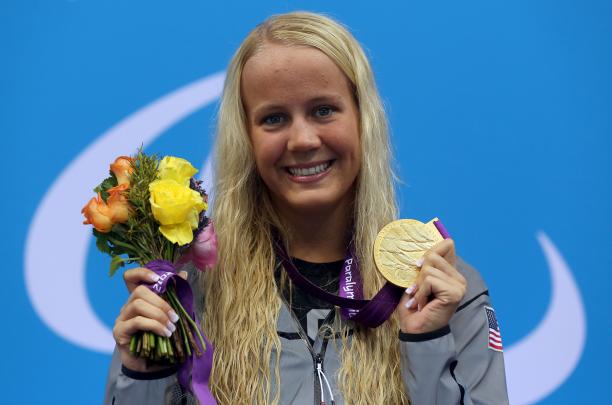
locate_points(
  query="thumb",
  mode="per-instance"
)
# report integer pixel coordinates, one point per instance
(183, 274)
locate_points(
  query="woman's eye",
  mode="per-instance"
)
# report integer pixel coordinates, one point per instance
(324, 111)
(274, 119)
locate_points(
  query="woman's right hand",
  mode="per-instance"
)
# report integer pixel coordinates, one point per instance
(143, 311)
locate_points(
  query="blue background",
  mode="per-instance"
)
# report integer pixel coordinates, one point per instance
(500, 116)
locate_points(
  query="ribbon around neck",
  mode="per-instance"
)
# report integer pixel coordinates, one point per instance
(195, 370)
(369, 313)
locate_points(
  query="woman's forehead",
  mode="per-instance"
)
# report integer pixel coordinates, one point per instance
(277, 58)
(282, 71)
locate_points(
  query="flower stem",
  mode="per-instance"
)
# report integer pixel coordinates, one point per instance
(183, 327)
(133, 344)
(122, 244)
(178, 344)
(172, 296)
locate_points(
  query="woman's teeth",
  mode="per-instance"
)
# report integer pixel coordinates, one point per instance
(309, 171)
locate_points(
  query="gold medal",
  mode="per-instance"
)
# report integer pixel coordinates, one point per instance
(399, 245)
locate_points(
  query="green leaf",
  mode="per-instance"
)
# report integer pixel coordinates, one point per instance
(102, 242)
(102, 245)
(106, 184)
(120, 250)
(119, 229)
(116, 262)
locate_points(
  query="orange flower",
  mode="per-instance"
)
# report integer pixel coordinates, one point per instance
(98, 214)
(118, 205)
(122, 168)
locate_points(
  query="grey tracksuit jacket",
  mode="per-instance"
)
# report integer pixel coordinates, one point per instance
(453, 365)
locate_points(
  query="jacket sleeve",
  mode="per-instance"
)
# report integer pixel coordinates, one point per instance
(124, 386)
(455, 365)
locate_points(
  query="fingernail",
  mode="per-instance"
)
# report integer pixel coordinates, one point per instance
(419, 262)
(167, 332)
(171, 326)
(409, 303)
(154, 277)
(419, 307)
(173, 316)
(410, 289)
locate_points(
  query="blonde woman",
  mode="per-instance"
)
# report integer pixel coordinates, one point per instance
(303, 163)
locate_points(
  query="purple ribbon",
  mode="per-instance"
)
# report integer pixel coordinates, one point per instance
(195, 369)
(370, 313)
(438, 224)
(351, 286)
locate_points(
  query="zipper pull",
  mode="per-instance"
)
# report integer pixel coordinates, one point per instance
(323, 379)
(319, 373)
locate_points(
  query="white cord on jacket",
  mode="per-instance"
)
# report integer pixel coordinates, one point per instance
(323, 377)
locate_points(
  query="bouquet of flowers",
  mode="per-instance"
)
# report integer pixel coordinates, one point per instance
(151, 212)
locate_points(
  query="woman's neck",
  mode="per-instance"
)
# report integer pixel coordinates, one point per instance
(319, 237)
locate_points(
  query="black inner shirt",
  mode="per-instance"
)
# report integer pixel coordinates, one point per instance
(326, 276)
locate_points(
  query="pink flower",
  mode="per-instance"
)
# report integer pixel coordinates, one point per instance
(203, 251)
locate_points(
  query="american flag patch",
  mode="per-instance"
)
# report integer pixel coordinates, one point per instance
(495, 341)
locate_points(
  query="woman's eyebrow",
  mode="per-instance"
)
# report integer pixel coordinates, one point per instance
(327, 98)
(265, 109)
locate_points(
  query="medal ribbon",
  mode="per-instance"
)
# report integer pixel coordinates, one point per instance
(370, 313)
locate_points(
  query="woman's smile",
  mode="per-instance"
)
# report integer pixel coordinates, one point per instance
(309, 172)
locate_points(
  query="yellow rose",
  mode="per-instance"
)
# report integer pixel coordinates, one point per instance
(177, 169)
(177, 208)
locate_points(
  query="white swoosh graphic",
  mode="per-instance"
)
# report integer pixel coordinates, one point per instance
(539, 363)
(55, 278)
(207, 174)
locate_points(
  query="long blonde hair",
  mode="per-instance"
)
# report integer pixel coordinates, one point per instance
(242, 299)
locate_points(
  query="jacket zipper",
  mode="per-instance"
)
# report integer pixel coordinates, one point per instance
(317, 358)
(323, 381)
(318, 399)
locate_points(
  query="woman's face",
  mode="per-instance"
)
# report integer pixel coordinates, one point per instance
(304, 127)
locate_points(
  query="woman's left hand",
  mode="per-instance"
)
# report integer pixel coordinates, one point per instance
(430, 303)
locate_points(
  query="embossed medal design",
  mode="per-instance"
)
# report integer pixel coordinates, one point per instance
(400, 244)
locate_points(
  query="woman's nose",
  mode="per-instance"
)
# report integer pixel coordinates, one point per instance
(303, 136)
